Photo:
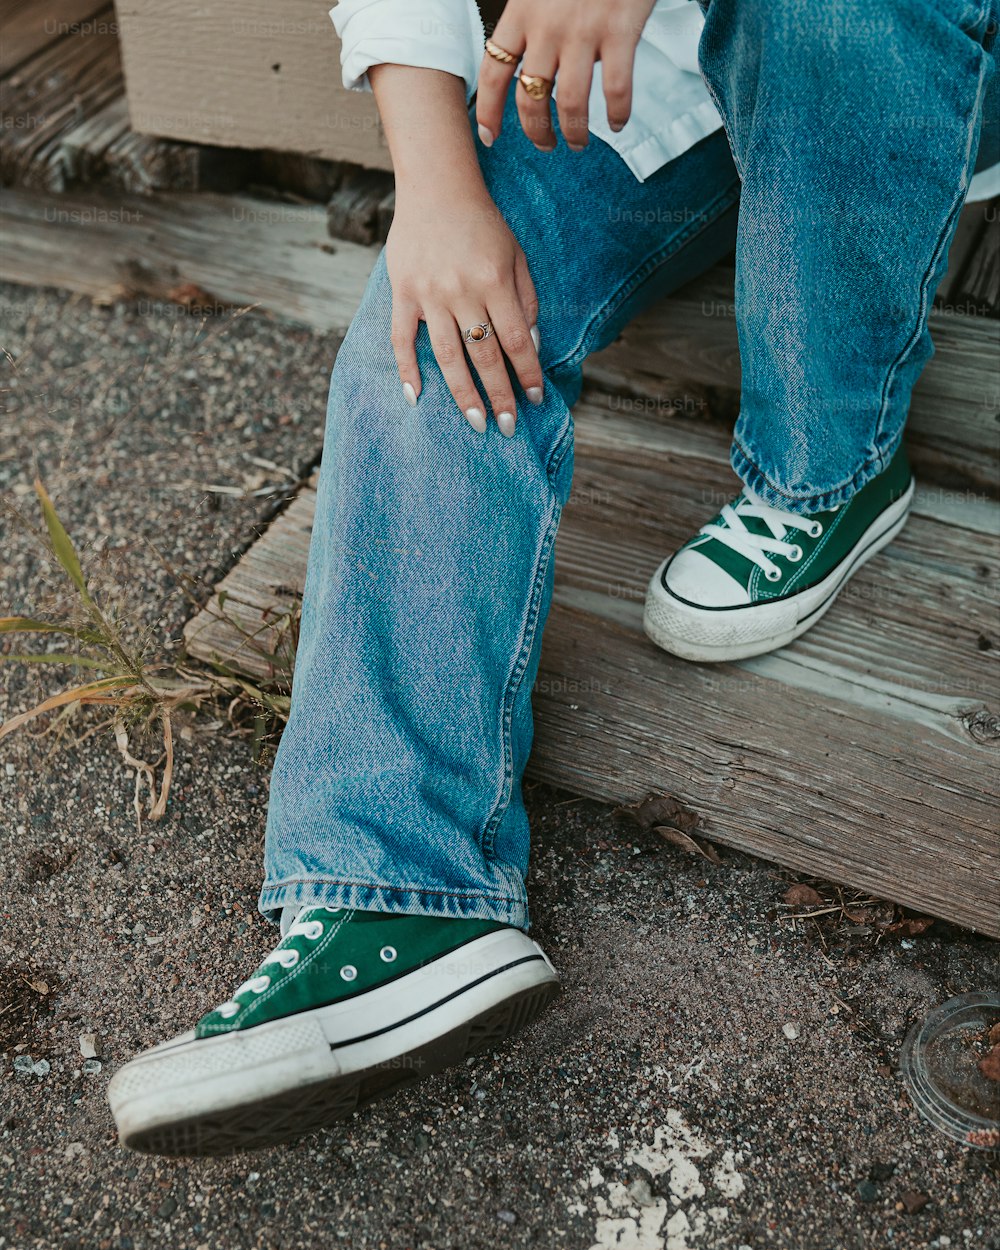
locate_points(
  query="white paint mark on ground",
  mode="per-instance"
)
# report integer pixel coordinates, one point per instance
(631, 1217)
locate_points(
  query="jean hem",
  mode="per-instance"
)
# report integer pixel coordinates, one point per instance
(361, 896)
(804, 502)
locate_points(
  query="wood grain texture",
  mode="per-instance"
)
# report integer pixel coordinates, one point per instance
(28, 26)
(241, 250)
(253, 75)
(69, 80)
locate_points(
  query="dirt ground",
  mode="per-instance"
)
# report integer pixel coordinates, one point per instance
(714, 1077)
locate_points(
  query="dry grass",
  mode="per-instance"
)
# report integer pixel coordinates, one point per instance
(141, 694)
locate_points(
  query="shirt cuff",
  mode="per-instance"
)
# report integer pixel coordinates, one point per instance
(436, 34)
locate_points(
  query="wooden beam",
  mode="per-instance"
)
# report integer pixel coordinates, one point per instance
(31, 25)
(51, 94)
(257, 75)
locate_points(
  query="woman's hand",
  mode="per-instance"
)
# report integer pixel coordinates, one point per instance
(454, 263)
(567, 36)
(452, 259)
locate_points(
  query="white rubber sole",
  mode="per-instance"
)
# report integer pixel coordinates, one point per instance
(720, 634)
(254, 1087)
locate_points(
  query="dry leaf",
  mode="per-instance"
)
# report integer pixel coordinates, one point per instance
(662, 809)
(190, 295)
(993, 1036)
(803, 896)
(40, 987)
(684, 840)
(910, 926)
(914, 1201)
(989, 1065)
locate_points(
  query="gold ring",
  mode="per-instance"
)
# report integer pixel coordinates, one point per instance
(538, 88)
(476, 333)
(500, 54)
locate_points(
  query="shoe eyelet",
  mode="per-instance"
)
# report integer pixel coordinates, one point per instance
(334, 911)
(289, 958)
(348, 972)
(815, 529)
(387, 954)
(314, 930)
(259, 984)
(773, 575)
(228, 1010)
(795, 555)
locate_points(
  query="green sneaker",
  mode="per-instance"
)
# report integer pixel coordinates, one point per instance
(350, 1006)
(755, 577)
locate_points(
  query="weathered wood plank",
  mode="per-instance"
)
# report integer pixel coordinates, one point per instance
(104, 149)
(51, 94)
(241, 250)
(28, 26)
(822, 786)
(260, 76)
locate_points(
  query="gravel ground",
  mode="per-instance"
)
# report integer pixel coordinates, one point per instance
(713, 1076)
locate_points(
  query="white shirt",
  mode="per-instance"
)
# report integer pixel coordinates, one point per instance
(671, 107)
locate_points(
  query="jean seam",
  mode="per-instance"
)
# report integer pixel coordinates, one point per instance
(722, 203)
(561, 449)
(916, 334)
(877, 462)
(514, 682)
(320, 879)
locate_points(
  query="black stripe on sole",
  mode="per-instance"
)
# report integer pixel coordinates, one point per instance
(487, 976)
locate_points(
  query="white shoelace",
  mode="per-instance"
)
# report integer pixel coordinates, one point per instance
(288, 958)
(733, 533)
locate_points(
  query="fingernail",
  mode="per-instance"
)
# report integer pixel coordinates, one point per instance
(536, 338)
(477, 419)
(409, 394)
(506, 421)
(485, 136)
(575, 147)
(534, 394)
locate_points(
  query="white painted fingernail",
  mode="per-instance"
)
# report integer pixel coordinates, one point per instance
(534, 394)
(536, 338)
(477, 419)
(506, 421)
(409, 394)
(485, 136)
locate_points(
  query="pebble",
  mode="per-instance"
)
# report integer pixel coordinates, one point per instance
(507, 1217)
(867, 1192)
(90, 1047)
(90, 1067)
(23, 1063)
(790, 1031)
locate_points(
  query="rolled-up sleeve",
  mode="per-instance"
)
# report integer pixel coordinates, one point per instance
(432, 34)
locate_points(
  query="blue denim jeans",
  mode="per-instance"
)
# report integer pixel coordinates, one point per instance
(397, 784)
(855, 126)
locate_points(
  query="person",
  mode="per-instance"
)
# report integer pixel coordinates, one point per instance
(832, 142)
